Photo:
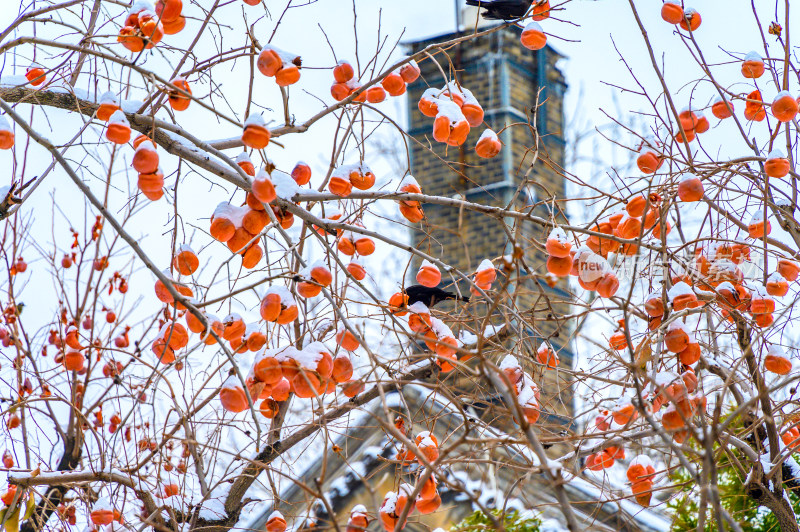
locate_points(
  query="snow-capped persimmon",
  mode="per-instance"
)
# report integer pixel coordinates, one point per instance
(263, 188)
(358, 521)
(784, 107)
(428, 103)
(428, 445)
(246, 164)
(340, 185)
(485, 273)
(691, 19)
(185, 260)
(472, 111)
(752, 66)
(429, 274)
(547, 356)
(232, 395)
(777, 362)
(145, 159)
(6, 134)
(35, 74)
(118, 130)
(649, 160)
(343, 72)
(557, 244)
(234, 327)
(255, 133)
(776, 164)
(222, 227)
(276, 522)
(758, 226)
(533, 37)
(676, 338)
(682, 296)
(177, 99)
(672, 12)
(361, 177)
(488, 145)
(762, 304)
(722, 108)
(419, 320)
(109, 104)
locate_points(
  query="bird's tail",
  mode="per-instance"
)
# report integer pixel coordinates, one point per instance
(478, 3)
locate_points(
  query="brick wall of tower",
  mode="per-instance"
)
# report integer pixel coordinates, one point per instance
(506, 79)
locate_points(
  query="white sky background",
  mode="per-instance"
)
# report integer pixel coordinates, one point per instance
(590, 60)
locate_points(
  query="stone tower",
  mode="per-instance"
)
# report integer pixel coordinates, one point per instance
(516, 87)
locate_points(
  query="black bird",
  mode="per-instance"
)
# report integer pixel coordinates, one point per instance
(430, 296)
(502, 9)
